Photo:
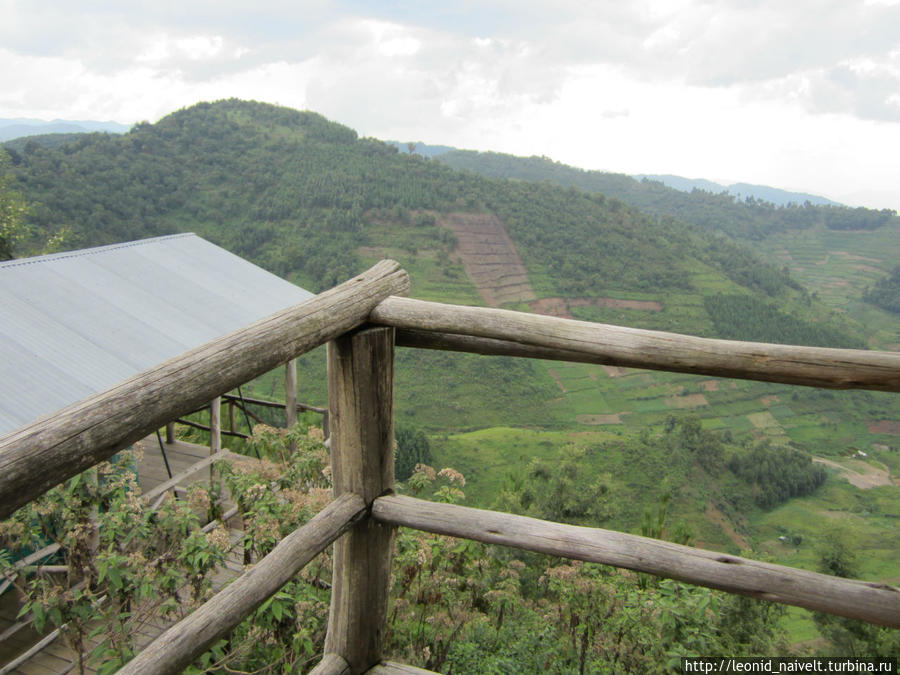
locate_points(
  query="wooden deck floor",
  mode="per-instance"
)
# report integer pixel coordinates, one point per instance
(57, 658)
(181, 456)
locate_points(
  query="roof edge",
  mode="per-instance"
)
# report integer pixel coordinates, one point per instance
(16, 262)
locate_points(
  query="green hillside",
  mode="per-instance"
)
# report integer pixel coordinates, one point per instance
(837, 253)
(311, 201)
(718, 212)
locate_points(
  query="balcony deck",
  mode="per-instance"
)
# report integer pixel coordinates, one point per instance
(57, 657)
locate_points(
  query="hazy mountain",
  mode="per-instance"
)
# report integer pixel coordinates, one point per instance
(422, 148)
(772, 195)
(19, 127)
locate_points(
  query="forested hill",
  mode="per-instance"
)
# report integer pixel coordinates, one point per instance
(719, 212)
(302, 196)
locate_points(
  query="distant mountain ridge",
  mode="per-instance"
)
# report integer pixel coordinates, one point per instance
(766, 193)
(716, 211)
(20, 127)
(421, 148)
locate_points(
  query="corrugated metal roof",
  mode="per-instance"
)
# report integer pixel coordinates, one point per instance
(74, 324)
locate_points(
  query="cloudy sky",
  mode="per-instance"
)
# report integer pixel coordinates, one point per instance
(799, 94)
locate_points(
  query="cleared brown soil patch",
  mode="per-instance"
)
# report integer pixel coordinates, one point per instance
(883, 427)
(613, 418)
(768, 400)
(688, 401)
(616, 303)
(861, 474)
(710, 385)
(490, 258)
(615, 371)
(562, 307)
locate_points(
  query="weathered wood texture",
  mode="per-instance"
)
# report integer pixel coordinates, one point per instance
(182, 643)
(497, 331)
(872, 602)
(181, 476)
(360, 391)
(48, 451)
(215, 425)
(391, 668)
(203, 427)
(331, 664)
(231, 398)
(290, 393)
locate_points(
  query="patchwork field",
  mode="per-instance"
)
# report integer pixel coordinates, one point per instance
(484, 423)
(839, 265)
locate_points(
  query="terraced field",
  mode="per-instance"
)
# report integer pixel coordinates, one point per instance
(839, 265)
(490, 258)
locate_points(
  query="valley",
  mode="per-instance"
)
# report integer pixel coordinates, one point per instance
(312, 202)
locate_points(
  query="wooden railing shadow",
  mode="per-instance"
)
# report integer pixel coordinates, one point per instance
(361, 321)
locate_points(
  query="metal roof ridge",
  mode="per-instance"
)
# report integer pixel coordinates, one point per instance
(18, 262)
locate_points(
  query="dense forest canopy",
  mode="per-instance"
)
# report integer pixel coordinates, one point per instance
(299, 195)
(886, 292)
(289, 189)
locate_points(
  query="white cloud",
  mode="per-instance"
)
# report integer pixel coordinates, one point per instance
(766, 91)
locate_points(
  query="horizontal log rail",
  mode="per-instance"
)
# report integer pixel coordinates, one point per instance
(393, 668)
(204, 427)
(52, 449)
(332, 664)
(176, 648)
(301, 407)
(487, 330)
(872, 602)
(238, 400)
(48, 451)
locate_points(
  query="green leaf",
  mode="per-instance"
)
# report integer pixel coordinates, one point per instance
(40, 618)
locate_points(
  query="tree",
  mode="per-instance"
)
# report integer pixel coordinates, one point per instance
(12, 211)
(561, 491)
(850, 637)
(412, 448)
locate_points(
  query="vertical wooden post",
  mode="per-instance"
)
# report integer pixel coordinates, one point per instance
(290, 393)
(360, 392)
(215, 425)
(170, 433)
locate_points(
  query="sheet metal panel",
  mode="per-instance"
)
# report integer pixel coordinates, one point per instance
(76, 323)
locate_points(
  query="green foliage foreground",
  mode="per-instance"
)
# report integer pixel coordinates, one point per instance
(456, 606)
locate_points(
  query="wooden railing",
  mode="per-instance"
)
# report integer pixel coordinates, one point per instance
(361, 520)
